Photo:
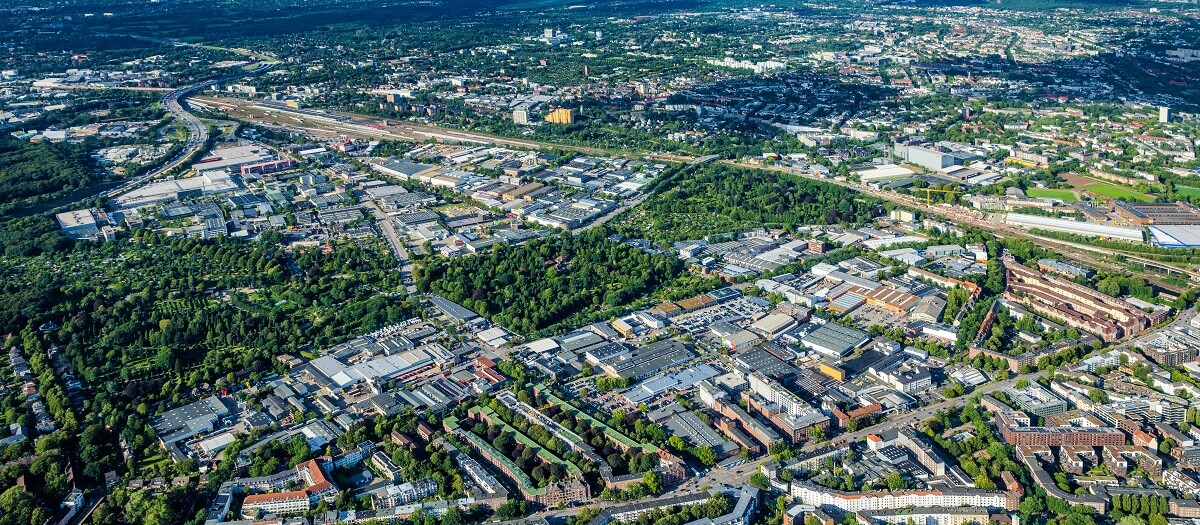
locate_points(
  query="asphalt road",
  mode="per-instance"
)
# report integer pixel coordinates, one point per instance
(916, 416)
(173, 102)
(399, 249)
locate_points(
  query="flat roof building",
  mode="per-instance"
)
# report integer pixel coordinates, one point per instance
(834, 340)
(1146, 213)
(647, 360)
(1036, 400)
(1089, 229)
(189, 420)
(454, 311)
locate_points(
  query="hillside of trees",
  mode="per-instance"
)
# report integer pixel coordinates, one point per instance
(549, 283)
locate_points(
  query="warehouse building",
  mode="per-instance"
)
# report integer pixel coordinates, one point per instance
(928, 309)
(1089, 229)
(647, 360)
(1175, 235)
(834, 340)
(1147, 213)
(189, 420)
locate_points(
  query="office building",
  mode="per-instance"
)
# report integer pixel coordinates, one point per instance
(1036, 400)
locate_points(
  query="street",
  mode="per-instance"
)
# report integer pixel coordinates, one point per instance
(399, 250)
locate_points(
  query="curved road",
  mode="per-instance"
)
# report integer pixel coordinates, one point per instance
(197, 131)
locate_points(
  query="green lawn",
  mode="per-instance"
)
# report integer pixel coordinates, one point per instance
(1117, 192)
(1190, 191)
(1047, 193)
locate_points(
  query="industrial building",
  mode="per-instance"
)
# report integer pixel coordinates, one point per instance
(399, 366)
(834, 340)
(189, 420)
(928, 309)
(208, 182)
(647, 360)
(1066, 269)
(1147, 213)
(1175, 235)
(401, 169)
(78, 224)
(233, 158)
(1089, 229)
(936, 157)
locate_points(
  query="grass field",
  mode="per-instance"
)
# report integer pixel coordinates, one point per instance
(1117, 192)
(1048, 193)
(1190, 191)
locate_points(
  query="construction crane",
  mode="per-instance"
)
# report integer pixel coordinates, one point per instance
(930, 191)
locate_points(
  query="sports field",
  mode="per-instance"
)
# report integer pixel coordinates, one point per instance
(1049, 193)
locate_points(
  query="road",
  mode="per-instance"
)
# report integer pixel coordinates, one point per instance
(399, 249)
(173, 102)
(916, 416)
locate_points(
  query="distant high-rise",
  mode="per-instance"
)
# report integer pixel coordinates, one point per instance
(1164, 114)
(521, 115)
(561, 116)
(548, 32)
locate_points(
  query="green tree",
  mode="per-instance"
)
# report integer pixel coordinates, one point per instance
(705, 455)
(653, 482)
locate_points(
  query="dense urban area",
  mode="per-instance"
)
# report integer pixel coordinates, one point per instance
(534, 262)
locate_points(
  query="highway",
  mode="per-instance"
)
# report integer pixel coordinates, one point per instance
(173, 102)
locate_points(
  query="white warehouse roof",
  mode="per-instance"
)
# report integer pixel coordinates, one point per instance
(1076, 227)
